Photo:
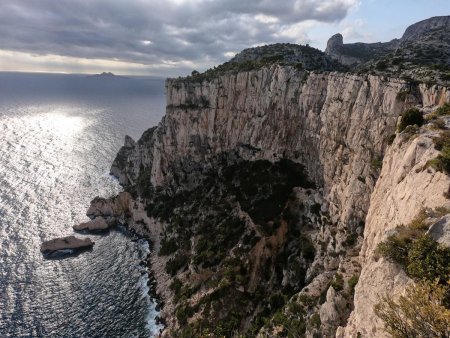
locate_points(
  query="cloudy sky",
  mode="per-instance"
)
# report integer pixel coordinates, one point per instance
(172, 37)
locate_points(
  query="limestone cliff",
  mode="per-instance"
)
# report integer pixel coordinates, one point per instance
(268, 185)
(406, 186)
(337, 125)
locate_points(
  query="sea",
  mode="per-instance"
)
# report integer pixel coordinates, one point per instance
(59, 134)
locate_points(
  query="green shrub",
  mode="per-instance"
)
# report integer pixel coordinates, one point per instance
(351, 239)
(292, 320)
(276, 301)
(443, 110)
(395, 249)
(338, 282)
(272, 59)
(168, 246)
(438, 124)
(352, 282)
(315, 321)
(143, 182)
(299, 66)
(442, 161)
(428, 260)
(307, 248)
(377, 163)
(391, 139)
(381, 65)
(176, 285)
(416, 252)
(419, 313)
(176, 263)
(442, 140)
(401, 95)
(315, 209)
(411, 117)
(183, 312)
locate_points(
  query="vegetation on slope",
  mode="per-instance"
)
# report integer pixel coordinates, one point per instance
(410, 117)
(283, 54)
(442, 161)
(235, 248)
(424, 310)
(419, 313)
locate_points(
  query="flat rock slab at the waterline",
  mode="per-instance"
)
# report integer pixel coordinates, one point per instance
(65, 246)
(97, 224)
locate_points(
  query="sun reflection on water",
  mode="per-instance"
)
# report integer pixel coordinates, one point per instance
(59, 123)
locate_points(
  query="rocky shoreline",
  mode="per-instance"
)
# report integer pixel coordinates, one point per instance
(103, 214)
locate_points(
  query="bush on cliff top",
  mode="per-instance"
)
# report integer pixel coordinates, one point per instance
(442, 161)
(416, 252)
(410, 117)
(424, 310)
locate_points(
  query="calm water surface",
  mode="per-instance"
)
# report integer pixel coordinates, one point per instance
(58, 137)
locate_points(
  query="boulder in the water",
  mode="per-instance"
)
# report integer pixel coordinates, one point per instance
(65, 245)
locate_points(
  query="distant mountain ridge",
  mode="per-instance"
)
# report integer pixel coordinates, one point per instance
(422, 53)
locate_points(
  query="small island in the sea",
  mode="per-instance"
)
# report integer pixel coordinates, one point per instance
(106, 75)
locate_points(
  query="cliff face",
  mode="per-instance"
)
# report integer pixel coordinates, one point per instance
(337, 126)
(406, 186)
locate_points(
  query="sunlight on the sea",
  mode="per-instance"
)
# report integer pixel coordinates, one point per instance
(59, 123)
(62, 125)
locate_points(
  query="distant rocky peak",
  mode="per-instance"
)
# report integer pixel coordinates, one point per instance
(426, 26)
(334, 44)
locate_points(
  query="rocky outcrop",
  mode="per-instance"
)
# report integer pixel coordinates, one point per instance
(357, 54)
(406, 186)
(105, 213)
(107, 208)
(440, 230)
(347, 56)
(334, 44)
(97, 224)
(120, 162)
(65, 245)
(437, 24)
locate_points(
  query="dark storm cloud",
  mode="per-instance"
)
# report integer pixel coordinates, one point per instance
(154, 32)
